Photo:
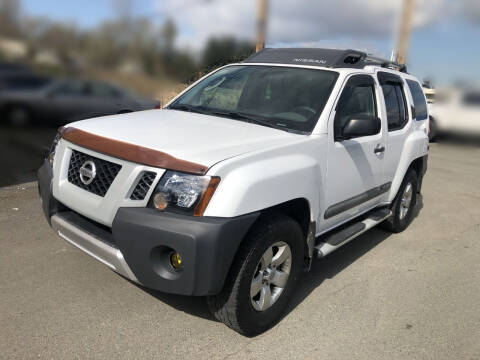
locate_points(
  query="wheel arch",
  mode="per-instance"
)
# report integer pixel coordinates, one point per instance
(299, 210)
(419, 165)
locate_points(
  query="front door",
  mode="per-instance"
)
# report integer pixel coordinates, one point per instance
(354, 179)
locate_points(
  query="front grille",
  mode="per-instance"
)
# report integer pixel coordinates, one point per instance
(143, 185)
(106, 172)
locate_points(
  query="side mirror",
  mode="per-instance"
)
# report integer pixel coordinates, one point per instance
(360, 125)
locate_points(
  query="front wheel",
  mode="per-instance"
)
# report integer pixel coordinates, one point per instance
(263, 277)
(402, 206)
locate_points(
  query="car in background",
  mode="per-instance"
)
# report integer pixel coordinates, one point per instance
(430, 95)
(32, 99)
(456, 111)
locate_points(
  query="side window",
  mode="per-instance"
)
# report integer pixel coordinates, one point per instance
(71, 88)
(358, 98)
(395, 102)
(418, 100)
(101, 90)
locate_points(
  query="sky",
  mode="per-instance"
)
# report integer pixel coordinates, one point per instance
(444, 43)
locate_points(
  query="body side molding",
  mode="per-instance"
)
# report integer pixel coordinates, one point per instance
(356, 200)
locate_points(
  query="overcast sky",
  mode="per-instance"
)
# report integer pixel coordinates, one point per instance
(444, 41)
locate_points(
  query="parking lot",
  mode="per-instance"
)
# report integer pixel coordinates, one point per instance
(414, 295)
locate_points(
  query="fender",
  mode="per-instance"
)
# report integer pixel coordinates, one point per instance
(416, 146)
(268, 177)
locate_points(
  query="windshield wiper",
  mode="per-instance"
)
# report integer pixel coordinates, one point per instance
(189, 108)
(229, 114)
(246, 117)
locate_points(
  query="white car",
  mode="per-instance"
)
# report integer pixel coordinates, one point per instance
(455, 111)
(244, 178)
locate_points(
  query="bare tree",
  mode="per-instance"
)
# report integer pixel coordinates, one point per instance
(123, 8)
(169, 32)
(10, 11)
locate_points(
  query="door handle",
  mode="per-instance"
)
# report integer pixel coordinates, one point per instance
(379, 149)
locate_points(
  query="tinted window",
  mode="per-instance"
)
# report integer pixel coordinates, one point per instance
(71, 88)
(358, 98)
(395, 103)
(102, 90)
(418, 100)
(282, 97)
(25, 83)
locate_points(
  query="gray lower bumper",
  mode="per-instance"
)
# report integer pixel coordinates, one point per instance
(101, 251)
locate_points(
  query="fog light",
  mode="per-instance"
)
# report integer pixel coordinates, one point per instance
(176, 260)
(160, 201)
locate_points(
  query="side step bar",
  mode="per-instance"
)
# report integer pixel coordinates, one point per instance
(332, 240)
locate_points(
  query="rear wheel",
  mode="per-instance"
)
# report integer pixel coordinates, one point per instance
(263, 277)
(402, 207)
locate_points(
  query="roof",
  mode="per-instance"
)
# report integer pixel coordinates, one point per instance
(330, 58)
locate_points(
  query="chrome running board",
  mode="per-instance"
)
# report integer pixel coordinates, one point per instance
(338, 237)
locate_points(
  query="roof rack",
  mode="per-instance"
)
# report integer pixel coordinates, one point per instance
(331, 58)
(375, 61)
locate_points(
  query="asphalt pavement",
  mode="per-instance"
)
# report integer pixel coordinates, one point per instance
(414, 295)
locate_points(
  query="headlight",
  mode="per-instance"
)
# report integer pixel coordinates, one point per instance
(53, 148)
(184, 193)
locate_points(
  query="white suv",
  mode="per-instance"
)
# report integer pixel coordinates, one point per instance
(238, 183)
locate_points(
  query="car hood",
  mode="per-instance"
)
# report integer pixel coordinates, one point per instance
(198, 138)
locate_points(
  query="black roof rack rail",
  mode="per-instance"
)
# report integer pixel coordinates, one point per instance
(331, 58)
(376, 61)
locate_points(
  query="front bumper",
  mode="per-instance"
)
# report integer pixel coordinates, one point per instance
(93, 245)
(140, 240)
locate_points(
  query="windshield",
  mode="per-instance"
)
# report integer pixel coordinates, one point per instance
(286, 98)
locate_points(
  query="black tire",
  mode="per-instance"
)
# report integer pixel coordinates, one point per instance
(233, 306)
(18, 115)
(396, 223)
(432, 136)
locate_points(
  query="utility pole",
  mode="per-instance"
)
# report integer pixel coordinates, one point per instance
(261, 24)
(404, 31)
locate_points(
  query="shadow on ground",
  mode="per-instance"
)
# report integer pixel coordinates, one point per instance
(22, 152)
(321, 270)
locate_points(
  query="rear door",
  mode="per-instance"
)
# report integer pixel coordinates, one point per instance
(420, 114)
(354, 180)
(399, 121)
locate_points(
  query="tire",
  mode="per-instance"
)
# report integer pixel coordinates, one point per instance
(18, 115)
(234, 306)
(400, 219)
(432, 136)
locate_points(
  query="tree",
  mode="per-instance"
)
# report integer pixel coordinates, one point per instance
(225, 50)
(10, 11)
(169, 32)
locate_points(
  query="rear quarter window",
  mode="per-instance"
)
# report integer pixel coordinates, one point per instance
(418, 100)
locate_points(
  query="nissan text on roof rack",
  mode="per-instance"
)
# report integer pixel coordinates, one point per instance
(244, 178)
